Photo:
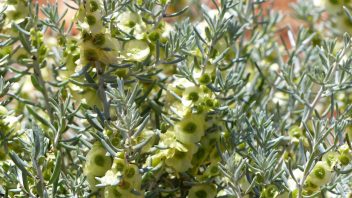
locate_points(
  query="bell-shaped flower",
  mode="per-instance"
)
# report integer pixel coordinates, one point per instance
(202, 191)
(190, 129)
(180, 161)
(331, 158)
(321, 174)
(97, 163)
(131, 23)
(136, 50)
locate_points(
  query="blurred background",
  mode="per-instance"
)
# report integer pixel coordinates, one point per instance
(280, 5)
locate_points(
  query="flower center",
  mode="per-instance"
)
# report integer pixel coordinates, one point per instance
(99, 160)
(193, 96)
(190, 127)
(319, 172)
(93, 6)
(201, 194)
(130, 172)
(91, 19)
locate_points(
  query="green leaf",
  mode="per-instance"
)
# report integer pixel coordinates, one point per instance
(40, 118)
(56, 173)
(19, 162)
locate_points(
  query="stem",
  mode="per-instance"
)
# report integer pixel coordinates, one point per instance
(101, 90)
(312, 106)
(317, 97)
(41, 82)
(305, 173)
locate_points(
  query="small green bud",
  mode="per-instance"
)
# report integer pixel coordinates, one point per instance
(202, 191)
(319, 172)
(201, 194)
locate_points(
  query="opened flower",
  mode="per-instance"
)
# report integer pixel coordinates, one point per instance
(321, 174)
(136, 50)
(97, 163)
(180, 161)
(190, 129)
(202, 191)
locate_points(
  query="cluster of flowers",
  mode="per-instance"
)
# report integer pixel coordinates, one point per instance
(324, 169)
(181, 156)
(187, 145)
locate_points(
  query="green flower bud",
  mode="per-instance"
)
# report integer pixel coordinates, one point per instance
(309, 184)
(193, 96)
(119, 165)
(200, 155)
(295, 132)
(289, 155)
(86, 36)
(129, 172)
(344, 149)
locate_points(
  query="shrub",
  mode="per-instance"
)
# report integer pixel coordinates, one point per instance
(161, 98)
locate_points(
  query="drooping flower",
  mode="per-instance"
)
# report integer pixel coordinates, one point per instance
(202, 191)
(136, 50)
(320, 174)
(190, 129)
(97, 164)
(131, 23)
(180, 161)
(331, 158)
